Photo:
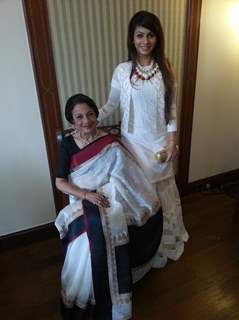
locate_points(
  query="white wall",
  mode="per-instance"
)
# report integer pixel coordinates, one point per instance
(215, 136)
(26, 198)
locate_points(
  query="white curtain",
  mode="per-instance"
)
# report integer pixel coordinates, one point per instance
(89, 40)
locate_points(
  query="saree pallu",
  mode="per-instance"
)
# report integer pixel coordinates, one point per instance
(104, 247)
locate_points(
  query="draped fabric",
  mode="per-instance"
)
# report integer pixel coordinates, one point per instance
(104, 247)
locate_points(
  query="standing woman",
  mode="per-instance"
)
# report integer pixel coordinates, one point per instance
(144, 87)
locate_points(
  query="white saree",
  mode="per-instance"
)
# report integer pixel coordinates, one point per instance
(103, 246)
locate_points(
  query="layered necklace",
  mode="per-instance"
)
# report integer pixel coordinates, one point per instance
(146, 72)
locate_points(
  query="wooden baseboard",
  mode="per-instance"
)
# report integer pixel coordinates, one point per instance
(25, 237)
(212, 182)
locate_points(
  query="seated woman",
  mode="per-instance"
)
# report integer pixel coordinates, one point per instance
(112, 227)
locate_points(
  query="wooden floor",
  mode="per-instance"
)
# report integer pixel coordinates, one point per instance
(203, 284)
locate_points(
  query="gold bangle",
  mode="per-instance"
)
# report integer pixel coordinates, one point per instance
(84, 195)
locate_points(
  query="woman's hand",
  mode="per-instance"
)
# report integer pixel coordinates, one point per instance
(172, 150)
(68, 188)
(171, 147)
(96, 198)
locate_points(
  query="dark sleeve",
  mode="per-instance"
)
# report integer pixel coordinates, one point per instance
(63, 162)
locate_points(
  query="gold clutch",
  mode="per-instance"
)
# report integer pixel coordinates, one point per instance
(161, 156)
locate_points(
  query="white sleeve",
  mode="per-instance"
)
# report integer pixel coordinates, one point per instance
(111, 105)
(172, 124)
(113, 100)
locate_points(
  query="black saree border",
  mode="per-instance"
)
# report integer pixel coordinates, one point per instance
(91, 224)
(75, 229)
(99, 261)
(145, 240)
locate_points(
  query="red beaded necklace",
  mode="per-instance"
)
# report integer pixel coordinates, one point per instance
(144, 74)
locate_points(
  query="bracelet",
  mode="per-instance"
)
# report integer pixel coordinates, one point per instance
(84, 195)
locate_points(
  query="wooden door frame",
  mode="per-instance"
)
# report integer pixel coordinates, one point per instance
(192, 32)
(38, 29)
(37, 22)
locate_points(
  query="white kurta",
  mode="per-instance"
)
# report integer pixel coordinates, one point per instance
(143, 126)
(144, 131)
(148, 128)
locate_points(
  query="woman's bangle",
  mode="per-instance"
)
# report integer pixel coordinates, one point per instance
(84, 195)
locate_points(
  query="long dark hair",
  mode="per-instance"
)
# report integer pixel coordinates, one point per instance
(150, 21)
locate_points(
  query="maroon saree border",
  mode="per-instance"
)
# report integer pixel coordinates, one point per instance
(92, 150)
